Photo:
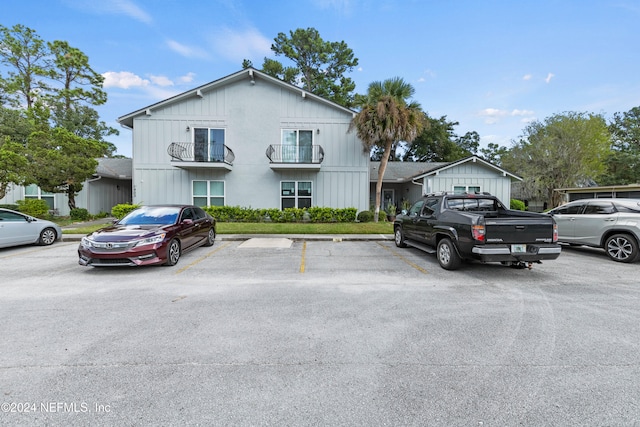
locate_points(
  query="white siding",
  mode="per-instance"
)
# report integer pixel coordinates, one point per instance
(253, 117)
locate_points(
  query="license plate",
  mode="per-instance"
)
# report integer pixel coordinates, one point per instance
(518, 249)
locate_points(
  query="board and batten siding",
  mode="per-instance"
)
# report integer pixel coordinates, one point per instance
(253, 116)
(470, 174)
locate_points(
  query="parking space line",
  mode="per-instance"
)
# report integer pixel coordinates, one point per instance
(412, 264)
(304, 250)
(186, 267)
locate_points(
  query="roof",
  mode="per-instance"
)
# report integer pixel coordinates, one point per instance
(474, 159)
(624, 187)
(118, 168)
(400, 172)
(248, 74)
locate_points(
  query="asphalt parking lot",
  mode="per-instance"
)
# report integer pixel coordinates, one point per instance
(317, 333)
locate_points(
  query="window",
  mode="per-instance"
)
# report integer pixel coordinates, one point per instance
(295, 194)
(34, 192)
(461, 189)
(599, 208)
(297, 146)
(430, 206)
(571, 209)
(208, 193)
(415, 209)
(208, 145)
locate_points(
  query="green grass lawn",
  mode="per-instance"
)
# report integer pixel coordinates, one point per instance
(280, 228)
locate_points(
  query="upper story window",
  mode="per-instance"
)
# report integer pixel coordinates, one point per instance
(297, 146)
(208, 144)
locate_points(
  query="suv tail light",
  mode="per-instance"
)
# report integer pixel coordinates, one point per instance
(478, 232)
(555, 233)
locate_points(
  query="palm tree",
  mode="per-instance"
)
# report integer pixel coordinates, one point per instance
(386, 117)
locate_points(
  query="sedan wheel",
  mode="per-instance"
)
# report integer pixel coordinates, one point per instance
(173, 253)
(622, 248)
(211, 237)
(47, 237)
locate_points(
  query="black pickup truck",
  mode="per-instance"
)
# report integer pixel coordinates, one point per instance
(460, 227)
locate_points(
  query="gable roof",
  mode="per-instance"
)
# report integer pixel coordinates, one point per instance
(251, 75)
(401, 172)
(474, 159)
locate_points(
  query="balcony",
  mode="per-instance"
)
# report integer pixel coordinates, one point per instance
(187, 155)
(295, 157)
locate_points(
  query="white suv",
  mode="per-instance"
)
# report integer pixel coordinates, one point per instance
(611, 224)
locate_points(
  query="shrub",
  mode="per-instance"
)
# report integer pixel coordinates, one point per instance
(365, 216)
(313, 214)
(517, 205)
(34, 207)
(79, 214)
(121, 210)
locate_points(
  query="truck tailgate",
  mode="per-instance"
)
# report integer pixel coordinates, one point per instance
(519, 230)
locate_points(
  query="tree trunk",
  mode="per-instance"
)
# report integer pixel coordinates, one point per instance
(383, 167)
(72, 197)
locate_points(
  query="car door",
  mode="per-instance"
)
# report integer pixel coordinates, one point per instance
(565, 217)
(188, 228)
(202, 228)
(15, 229)
(425, 220)
(409, 225)
(592, 223)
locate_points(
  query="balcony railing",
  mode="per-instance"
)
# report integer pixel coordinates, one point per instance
(190, 152)
(278, 153)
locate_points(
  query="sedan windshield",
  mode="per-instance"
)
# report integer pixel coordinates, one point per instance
(151, 216)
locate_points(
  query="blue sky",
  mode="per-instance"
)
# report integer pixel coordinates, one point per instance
(491, 65)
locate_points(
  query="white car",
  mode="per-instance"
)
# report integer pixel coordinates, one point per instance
(19, 229)
(611, 224)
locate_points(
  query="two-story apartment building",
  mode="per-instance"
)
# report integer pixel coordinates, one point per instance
(250, 140)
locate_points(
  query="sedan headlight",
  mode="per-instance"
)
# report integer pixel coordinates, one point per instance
(158, 238)
(86, 242)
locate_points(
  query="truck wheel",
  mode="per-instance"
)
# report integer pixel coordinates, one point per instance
(622, 248)
(399, 238)
(448, 258)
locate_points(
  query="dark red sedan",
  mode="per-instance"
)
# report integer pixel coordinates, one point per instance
(149, 235)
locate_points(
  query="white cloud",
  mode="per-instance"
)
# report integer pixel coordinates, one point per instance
(549, 77)
(161, 80)
(117, 7)
(187, 78)
(186, 51)
(527, 77)
(130, 9)
(493, 115)
(239, 45)
(123, 80)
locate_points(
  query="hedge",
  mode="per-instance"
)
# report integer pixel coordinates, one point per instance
(312, 214)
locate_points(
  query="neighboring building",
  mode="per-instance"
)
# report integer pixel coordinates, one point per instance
(631, 191)
(109, 186)
(249, 140)
(408, 181)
